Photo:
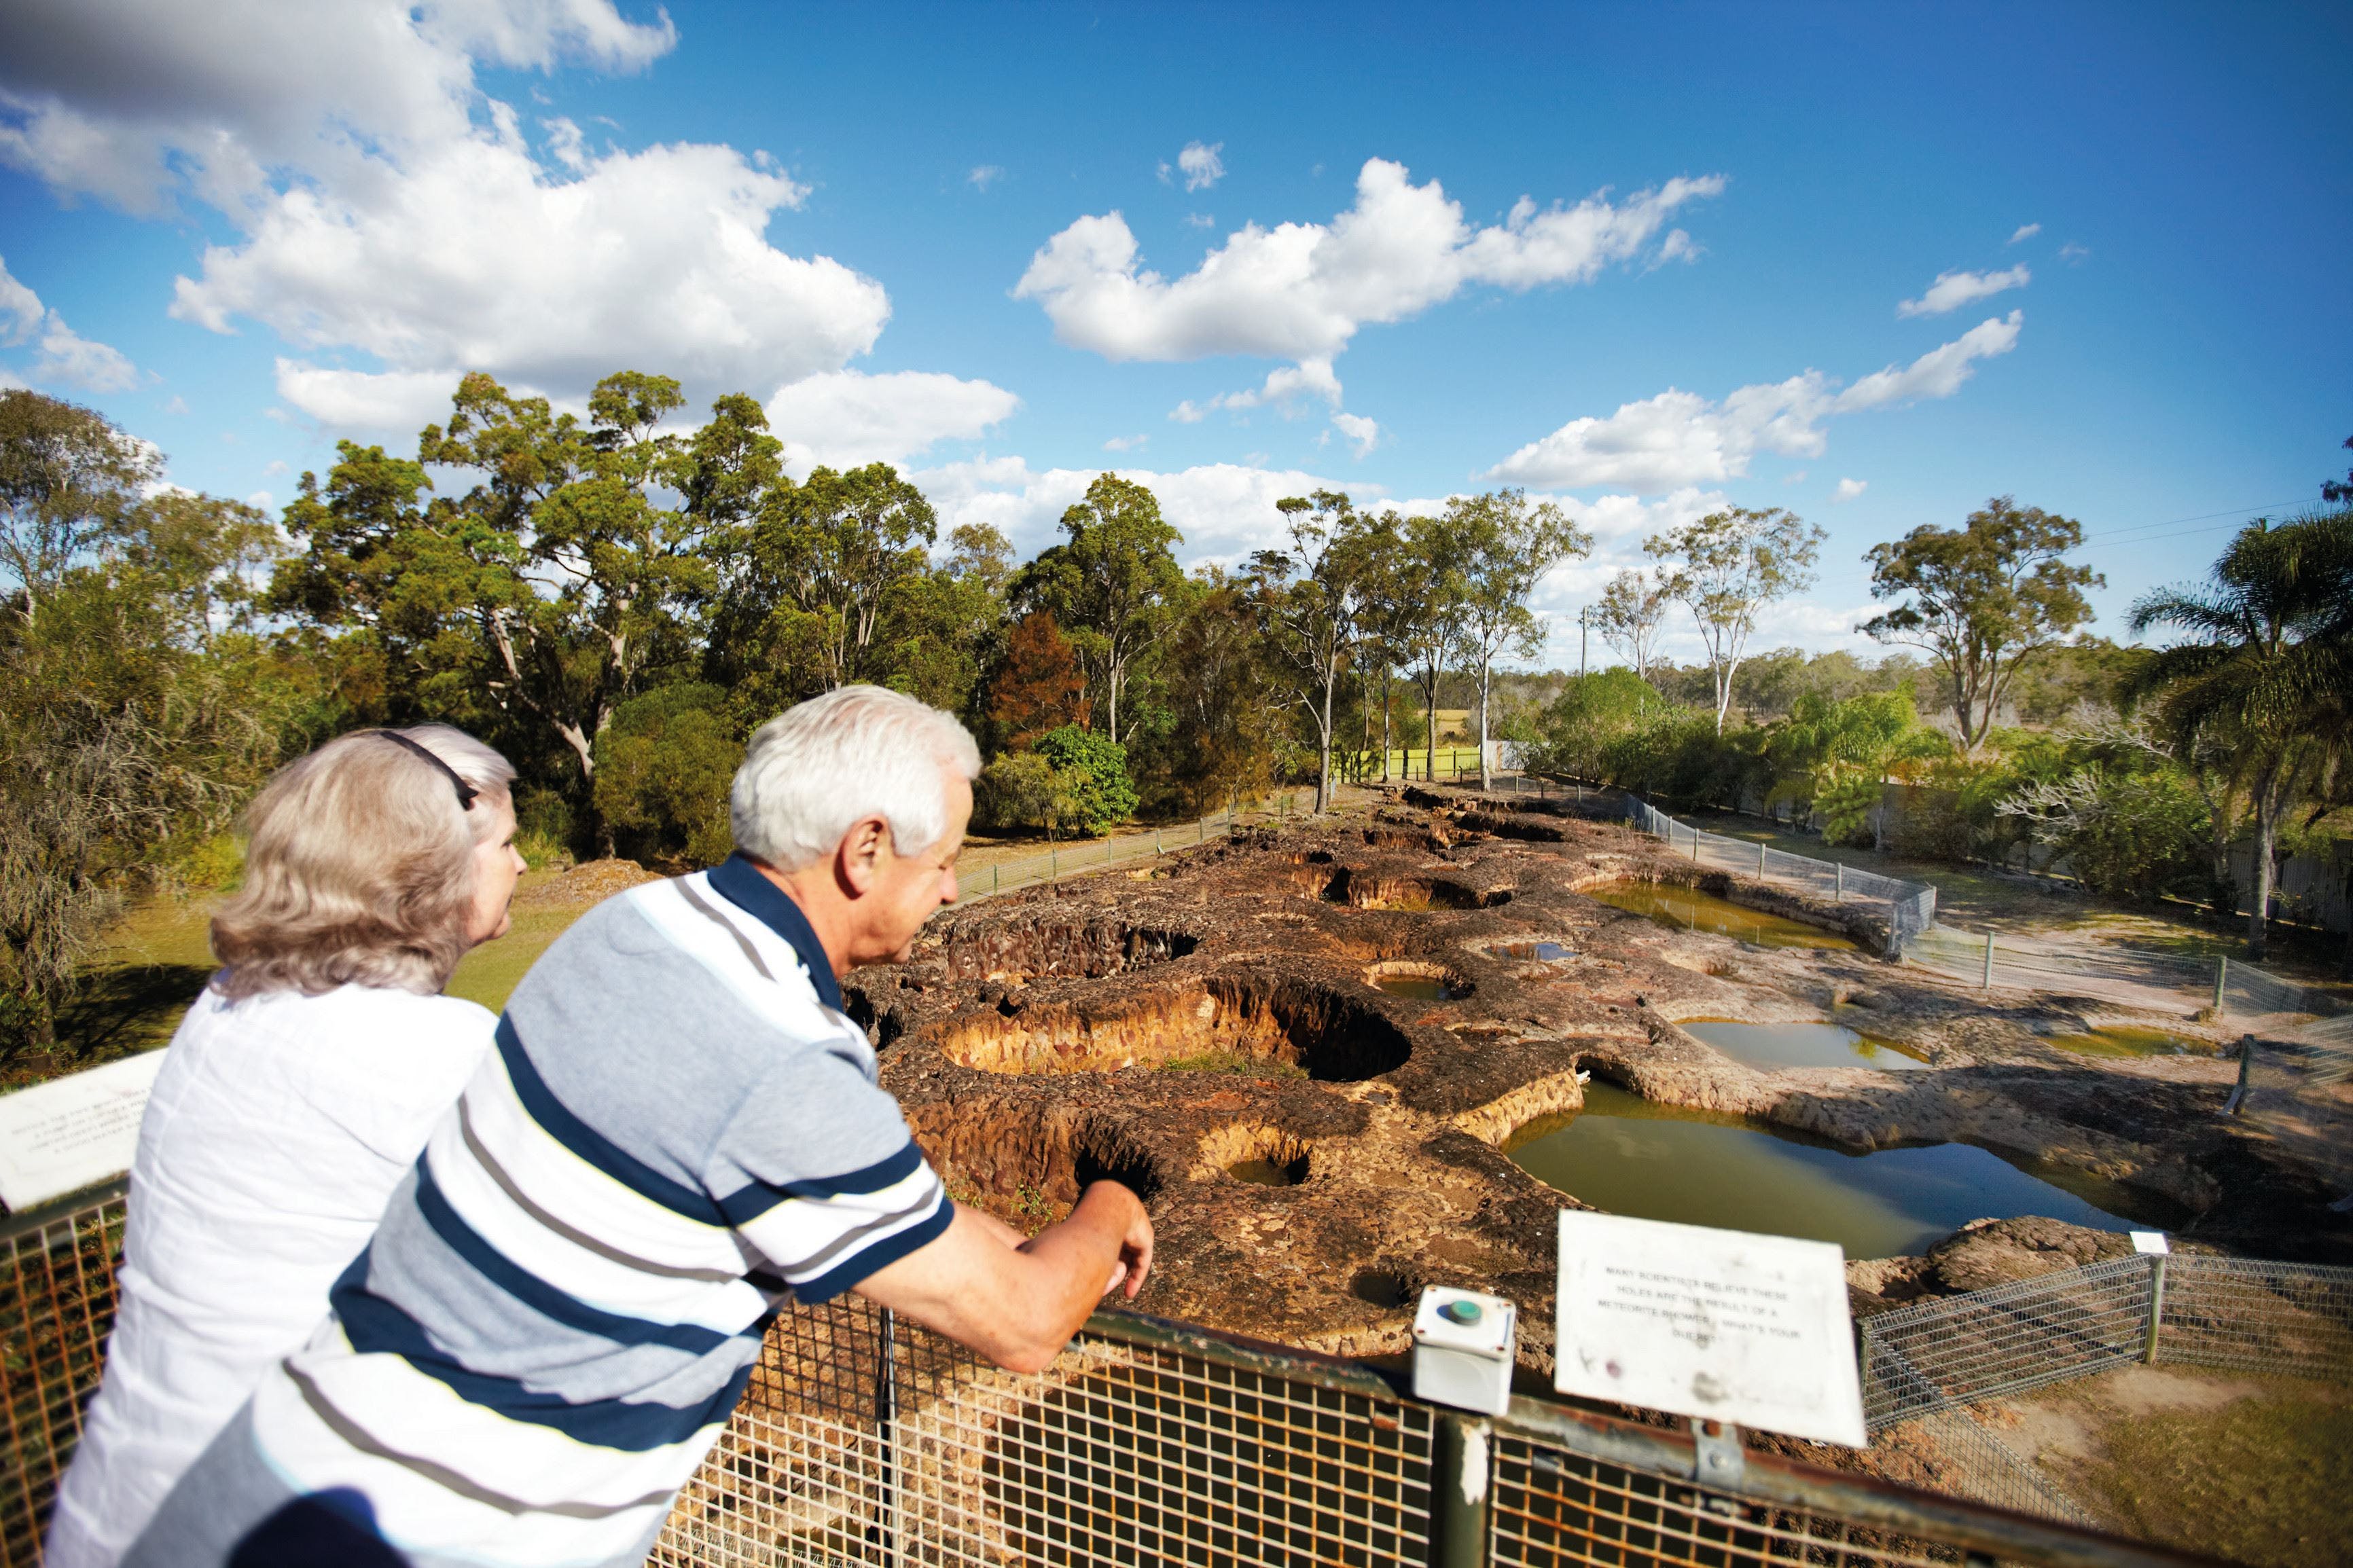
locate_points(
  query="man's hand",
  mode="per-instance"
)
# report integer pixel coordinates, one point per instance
(1018, 1302)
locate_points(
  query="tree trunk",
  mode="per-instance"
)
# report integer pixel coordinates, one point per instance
(1384, 721)
(1429, 738)
(1323, 763)
(1486, 677)
(2267, 836)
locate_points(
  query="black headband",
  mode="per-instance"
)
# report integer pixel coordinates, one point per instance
(466, 792)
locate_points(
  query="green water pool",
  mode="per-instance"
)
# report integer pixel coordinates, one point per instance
(1691, 911)
(1629, 1156)
(1822, 1045)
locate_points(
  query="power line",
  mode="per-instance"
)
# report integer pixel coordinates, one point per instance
(2202, 517)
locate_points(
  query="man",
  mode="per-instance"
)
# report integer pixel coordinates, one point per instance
(678, 1134)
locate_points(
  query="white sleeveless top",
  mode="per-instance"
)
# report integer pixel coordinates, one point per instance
(277, 1131)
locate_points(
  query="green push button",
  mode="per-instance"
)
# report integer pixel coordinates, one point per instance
(1465, 1313)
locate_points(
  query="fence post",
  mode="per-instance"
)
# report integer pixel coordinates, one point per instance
(2156, 1308)
(2238, 1100)
(1053, 865)
(884, 1532)
(2221, 975)
(1155, 841)
(994, 886)
(1988, 984)
(1760, 860)
(1457, 1493)
(1841, 881)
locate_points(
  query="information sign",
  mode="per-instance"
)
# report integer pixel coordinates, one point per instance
(1720, 1324)
(63, 1135)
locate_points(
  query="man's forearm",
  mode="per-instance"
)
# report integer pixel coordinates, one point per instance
(1019, 1306)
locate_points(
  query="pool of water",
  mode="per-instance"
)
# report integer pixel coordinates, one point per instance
(1692, 910)
(1802, 1046)
(1420, 987)
(1628, 1156)
(2120, 1041)
(1539, 951)
(1266, 1172)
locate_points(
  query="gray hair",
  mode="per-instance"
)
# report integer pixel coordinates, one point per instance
(359, 866)
(857, 751)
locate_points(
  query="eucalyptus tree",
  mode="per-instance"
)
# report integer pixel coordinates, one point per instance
(1112, 585)
(832, 556)
(1308, 599)
(2268, 661)
(1385, 615)
(1982, 600)
(67, 478)
(1630, 616)
(1503, 546)
(1431, 589)
(1726, 568)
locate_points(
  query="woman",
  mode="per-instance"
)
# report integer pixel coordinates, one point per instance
(297, 1093)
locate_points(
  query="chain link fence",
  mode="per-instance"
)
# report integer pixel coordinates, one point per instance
(1930, 1365)
(1910, 907)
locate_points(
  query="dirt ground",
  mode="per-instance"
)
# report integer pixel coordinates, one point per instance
(2248, 1469)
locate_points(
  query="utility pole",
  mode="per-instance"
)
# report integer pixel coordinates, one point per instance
(1584, 621)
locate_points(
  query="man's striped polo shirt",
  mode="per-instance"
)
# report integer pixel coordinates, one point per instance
(678, 1134)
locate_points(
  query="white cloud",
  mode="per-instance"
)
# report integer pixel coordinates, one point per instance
(1301, 290)
(261, 499)
(1951, 290)
(1225, 510)
(1940, 372)
(176, 404)
(1680, 438)
(475, 257)
(1363, 434)
(2071, 251)
(1676, 247)
(1850, 488)
(1126, 443)
(1283, 388)
(841, 419)
(987, 175)
(62, 357)
(402, 401)
(1200, 165)
(1200, 220)
(2026, 231)
(385, 205)
(132, 101)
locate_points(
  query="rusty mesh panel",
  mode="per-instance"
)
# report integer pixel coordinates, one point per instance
(855, 1448)
(1555, 1507)
(57, 1306)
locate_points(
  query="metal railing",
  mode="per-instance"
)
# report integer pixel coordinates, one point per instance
(865, 1440)
(1910, 907)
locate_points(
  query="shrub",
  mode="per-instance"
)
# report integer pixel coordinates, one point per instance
(664, 764)
(1101, 796)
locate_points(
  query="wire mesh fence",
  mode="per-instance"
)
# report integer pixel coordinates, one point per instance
(2187, 1310)
(1910, 908)
(57, 1306)
(865, 1440)
(1078, 857)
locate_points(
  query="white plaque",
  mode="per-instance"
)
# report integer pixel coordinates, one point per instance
(2151, 1242)
(1721, 1324)
(61, 1136)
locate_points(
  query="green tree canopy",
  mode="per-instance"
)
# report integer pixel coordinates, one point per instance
(1982, 600)
(1111, 585)
(1727, 567)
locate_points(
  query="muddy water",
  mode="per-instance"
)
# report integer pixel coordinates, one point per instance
(1628, 1156)
(1800, 1045)
(1420, 987)
(2120, 1041)
(1690, 910)
(1538, 952)
(1261, 1173)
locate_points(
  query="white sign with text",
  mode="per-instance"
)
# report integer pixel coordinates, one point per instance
(61, 1136)
(1720, 1324)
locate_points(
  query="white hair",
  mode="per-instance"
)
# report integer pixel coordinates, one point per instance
(857, 751)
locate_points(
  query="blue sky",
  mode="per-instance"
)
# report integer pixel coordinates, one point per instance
(970, 240)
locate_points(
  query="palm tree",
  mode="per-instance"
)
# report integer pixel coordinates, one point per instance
(2267, 661)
